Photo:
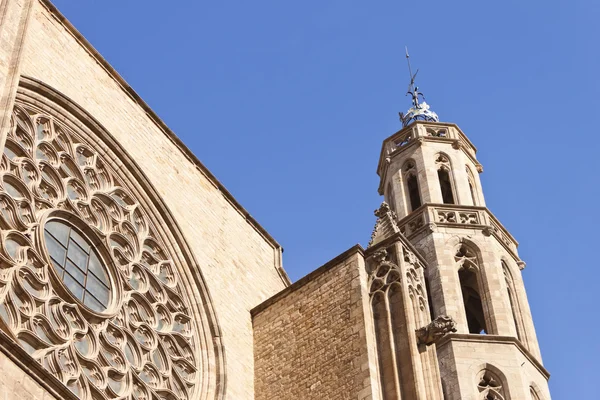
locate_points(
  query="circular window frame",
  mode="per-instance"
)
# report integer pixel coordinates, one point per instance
(95, 240)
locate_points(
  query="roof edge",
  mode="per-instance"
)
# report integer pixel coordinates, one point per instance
(159, 122)
(357, 248)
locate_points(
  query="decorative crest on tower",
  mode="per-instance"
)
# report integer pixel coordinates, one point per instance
(418, 111)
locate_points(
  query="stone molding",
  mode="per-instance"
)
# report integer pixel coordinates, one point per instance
(35, 370)
(458, 216)
(385, 225)
(9, 74)
(463, 337)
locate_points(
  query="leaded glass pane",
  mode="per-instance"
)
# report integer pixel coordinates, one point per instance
(73, 286)
(75, 272)
(59, 231)
(83, 244)
(78, 265)
(77, 256)
(93, 303)
(97, 289)
(55, 249)
(95, 267)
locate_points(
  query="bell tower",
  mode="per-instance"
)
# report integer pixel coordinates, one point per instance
(429, 177)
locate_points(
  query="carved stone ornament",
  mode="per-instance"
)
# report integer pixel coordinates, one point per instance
(385, 226)
(141, 343)
(457, 144)
(382, 272)
(488, 230)
(439, 327)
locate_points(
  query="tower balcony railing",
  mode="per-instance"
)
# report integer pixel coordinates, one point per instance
(428, 217)
(430, 131)
(419, 132)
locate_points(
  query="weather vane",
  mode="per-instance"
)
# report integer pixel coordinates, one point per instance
(418, 111)
(412, 89)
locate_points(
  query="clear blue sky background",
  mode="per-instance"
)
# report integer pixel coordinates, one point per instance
(288, 103)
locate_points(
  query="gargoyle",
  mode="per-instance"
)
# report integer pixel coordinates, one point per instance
(431, 333)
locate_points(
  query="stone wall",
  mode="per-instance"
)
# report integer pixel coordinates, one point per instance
(462, 357)
(18, 384)
(239, 261)
(311, 340)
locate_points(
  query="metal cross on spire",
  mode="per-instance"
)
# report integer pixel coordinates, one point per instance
(418, 111)
(412, 89)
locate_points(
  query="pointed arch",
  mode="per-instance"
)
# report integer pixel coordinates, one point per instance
(391, 198)
(412, 188)
(491, 383)
(513, 301)
(445, 178)
(534, 392)
(468, 261)
(85, 145)
(472, 186)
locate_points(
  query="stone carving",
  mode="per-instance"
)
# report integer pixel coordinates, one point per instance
(413, 225)
(457, 217)
(490, 386)
(437, 132)
(489, 230)
(144, 345)
(431, 333)
(382, 272)
(385, 226)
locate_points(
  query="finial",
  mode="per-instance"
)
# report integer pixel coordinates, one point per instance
(418, 111)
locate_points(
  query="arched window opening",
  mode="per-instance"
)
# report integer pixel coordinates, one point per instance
(446, 186)
(471, 293)
(444, 169)
(472, 302)
(533, 394)
(412, 185)
(430, 303)
(490, 386)
(390, 197)
(413, 192)
(471, 180)
(514, 305)
(472, 193)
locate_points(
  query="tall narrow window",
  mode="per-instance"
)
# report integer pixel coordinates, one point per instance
(471, 180)
(533, 394)
(390, 197)
(446, 186)
(430, 303)
(413, 192)
(469, 284)
(514, 305)
(412, 185)
(444, 168)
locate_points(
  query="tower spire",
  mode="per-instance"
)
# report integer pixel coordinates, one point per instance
(418, 111)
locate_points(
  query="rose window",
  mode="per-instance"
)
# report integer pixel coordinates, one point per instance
(87, 286)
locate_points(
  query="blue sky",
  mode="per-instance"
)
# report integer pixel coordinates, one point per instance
(287, 103)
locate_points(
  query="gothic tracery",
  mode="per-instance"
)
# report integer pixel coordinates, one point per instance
(490, 386)
(142, 344)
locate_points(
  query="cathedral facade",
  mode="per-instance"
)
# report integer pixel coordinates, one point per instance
(115, 286)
